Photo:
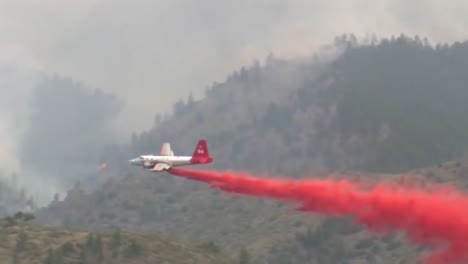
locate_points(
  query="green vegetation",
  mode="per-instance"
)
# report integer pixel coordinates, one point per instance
(54, 257)
(407, 98)
(210, 247)
(17, 218)
(25, 217)
(57, 246)
(115, 243)
(132, 250)
(94, 245)
(20, 242)
(244, 256)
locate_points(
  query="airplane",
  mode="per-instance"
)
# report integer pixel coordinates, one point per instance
(166, 159)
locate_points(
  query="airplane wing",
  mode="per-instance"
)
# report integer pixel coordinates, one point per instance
(166, 150)
(160, 166)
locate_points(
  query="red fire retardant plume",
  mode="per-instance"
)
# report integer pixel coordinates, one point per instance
(436, 217)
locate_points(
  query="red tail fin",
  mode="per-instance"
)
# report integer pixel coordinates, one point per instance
(201, 154)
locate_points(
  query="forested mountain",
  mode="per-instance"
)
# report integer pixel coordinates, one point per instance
(383, 106)
(390, 105)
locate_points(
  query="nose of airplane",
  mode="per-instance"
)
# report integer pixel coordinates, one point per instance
(136, 161)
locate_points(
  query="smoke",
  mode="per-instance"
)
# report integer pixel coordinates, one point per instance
(16, 82)
(166, 49)
(67, 131)
(433, 216)
(7, 150)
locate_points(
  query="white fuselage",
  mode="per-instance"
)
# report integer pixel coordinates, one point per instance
(150, 160)
(165, 159)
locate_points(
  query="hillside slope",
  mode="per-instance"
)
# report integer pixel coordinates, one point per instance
(29, 244)
(270, 231)
(391, 106)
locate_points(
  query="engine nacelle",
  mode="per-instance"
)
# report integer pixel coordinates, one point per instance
(148, 165)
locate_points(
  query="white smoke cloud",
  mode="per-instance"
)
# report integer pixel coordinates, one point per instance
(7, 150)
(16, 82)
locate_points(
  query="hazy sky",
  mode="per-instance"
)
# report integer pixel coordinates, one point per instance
(150, 53)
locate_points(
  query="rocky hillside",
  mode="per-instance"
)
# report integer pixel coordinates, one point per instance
(22, 243)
